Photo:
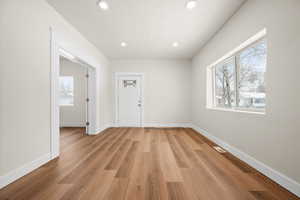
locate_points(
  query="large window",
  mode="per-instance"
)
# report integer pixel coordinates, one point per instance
(66, 91)
(239, 81)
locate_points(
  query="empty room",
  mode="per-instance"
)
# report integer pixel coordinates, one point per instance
(149, 100)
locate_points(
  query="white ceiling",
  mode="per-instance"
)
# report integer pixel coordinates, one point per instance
(148, 26)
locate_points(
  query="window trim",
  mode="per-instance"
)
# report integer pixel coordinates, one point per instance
(211, 102)
(236, 110)
(66, 105)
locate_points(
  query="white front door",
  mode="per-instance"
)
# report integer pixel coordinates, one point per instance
(129, 100)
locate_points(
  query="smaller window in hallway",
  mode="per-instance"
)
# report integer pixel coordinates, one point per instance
(66, 91)
(238, 82)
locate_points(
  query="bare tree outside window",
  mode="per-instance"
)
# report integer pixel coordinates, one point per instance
(240, 80)
(225, 84)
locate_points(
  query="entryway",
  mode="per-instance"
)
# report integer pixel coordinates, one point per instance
(129, 99)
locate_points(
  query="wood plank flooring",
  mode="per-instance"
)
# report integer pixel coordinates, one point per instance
(143, 164)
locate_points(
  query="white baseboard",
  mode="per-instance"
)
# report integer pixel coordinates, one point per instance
(167, 125)
(276, 176)
(99, 130)
(155, 125)
(23, 170)
(72, 125)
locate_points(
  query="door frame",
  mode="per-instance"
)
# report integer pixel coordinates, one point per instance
(116, 107)
(56, 51)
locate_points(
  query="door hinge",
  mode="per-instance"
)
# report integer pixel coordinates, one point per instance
(87, 100)
(87, 123)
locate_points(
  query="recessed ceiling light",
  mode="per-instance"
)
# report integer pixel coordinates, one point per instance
(123, 44)
(191, 4)
(175, 44)
(103, 5)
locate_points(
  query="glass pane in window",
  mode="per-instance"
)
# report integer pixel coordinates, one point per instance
(66, 89)
(225, 84)
(251, 84)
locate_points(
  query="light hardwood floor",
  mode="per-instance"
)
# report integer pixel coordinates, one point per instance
(138, 164)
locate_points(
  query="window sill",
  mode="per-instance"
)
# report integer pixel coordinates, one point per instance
(66, 105)
(238, 111)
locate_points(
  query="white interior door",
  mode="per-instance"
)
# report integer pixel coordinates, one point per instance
(129, 100)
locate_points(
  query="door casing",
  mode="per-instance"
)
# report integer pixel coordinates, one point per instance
(56, 52)
(116, 77)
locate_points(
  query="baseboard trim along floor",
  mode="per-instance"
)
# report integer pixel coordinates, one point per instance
(24, 170)
(276, 176)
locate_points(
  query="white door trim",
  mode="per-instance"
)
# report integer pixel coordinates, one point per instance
(56, 51)
(116, 77)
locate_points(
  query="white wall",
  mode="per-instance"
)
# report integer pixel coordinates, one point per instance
(167, 88)
(25, 78)
(75, 115)
(272, 138)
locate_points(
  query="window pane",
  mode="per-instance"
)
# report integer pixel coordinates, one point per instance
(251, 84)
(66, 89)
(225, 84)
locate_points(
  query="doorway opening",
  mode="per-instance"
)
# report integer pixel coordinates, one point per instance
(73, 95)
(73, 98)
